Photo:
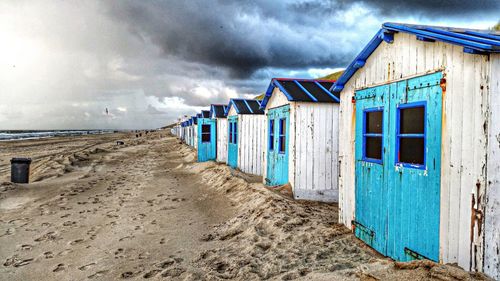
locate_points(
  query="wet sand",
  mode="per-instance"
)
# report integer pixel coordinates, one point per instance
(146, 210)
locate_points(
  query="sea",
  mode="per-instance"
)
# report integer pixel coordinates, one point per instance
(9, 135)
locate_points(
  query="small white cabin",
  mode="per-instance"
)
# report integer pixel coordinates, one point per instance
(218, 112)
(302, 138)
(419, 145)
(246, 135)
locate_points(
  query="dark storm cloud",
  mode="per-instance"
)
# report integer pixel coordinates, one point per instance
(234, 35)
(444, 8)
(244, 36)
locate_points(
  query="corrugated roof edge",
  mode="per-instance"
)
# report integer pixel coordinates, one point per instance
(386, 33)
(231, 103)
(275, 84)
(212, 109)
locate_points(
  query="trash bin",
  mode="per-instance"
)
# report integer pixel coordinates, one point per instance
(20, 170)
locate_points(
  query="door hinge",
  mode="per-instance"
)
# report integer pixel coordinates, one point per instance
(415, 255)
(363, 228)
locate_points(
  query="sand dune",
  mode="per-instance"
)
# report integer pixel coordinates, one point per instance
(146, 210)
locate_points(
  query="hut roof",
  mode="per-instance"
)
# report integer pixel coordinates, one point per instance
(309, 90)
(218, 111)
(245, 106)
(474, 41)
(205, 114)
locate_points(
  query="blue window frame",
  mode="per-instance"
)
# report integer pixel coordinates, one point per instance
(230, 132)
(282, 136)
(235, 133)
(373, 133)
(411, 135)
(205, 133)
(271, 135)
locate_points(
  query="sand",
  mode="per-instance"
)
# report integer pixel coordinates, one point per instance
(146, 210)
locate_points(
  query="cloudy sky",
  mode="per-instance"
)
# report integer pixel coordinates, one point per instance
(62, 63)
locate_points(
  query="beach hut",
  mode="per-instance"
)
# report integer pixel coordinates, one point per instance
(419, 145)
(302, 138)
(246, 135)
(207, 142)
(218, 113)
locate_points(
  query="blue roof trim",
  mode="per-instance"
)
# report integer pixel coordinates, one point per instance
(327, 92)
(305, 91)
(275, 83)
(248, 106)
(473, 41)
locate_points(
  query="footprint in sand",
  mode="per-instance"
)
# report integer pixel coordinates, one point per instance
(97, 274)
(77, 241)
(26, 247)
(173, 272)
(60, 267)
(151, 273)
(48, 255)
(87, 266)
(51, 236)
(64, 252)
(15, 261)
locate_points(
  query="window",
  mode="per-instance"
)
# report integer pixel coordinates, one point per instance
(410, 137)
(372, 135)
(271, 135)
(235, 132)
(230, 132)
(282, 136)
(205, 133)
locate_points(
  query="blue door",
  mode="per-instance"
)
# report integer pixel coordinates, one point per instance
(206, 139)
(398, 164)
(232, 147)
(277, 145)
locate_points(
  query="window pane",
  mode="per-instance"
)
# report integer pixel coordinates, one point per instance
(271, 135)
(205, 129)
(205, 137)
(411, 150)
(282, 126)
(374, 122)
(373, 147)
(282, 144)
(412, 120)
(230, 132)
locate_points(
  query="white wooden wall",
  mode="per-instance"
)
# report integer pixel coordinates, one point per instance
(195, 136)
(251, 137)
(313, 163)
(492, 212)
(313, 148)
(465, 105)
(222, 140)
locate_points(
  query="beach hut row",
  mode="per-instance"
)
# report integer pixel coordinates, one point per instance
(407, 141)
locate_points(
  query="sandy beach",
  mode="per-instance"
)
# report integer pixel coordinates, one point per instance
(96, 210)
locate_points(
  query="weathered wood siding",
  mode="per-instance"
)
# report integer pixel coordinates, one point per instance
(277, 99)
(313, 148)
(251, 131)
(492, 212)
(313, 166)
(195, 136)
(463, 169)
(222, 140)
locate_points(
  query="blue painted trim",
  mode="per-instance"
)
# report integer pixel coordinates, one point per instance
(305, 91)
(281, 135)
(365, 135)
(399, 135)
(471, 42)
(249, 108)
(326, 91)
(440, 37)
(484, 35)
(270, 131)
(463, 36)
